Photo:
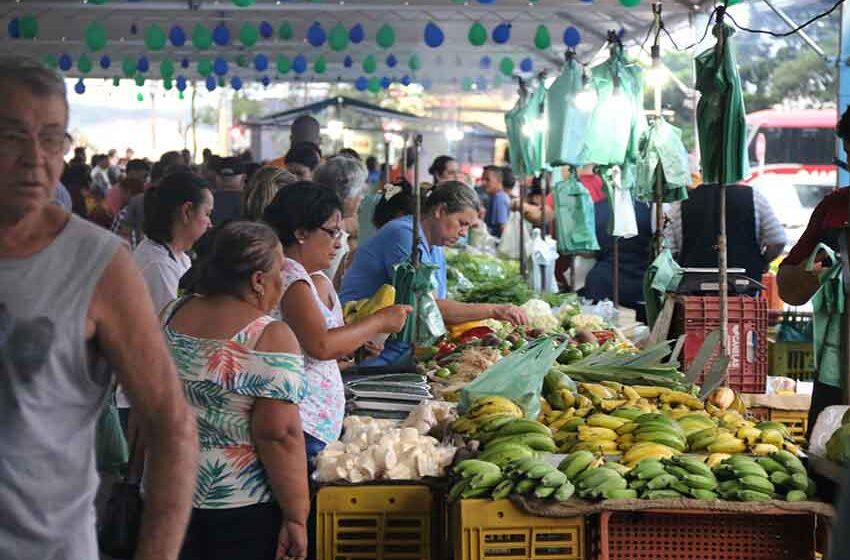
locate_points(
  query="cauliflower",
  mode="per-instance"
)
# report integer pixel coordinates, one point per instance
(540, 315)
(586, 322)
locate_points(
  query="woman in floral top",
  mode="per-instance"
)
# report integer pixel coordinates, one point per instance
(243, 374)
(308, 219)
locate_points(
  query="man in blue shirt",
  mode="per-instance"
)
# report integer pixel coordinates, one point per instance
(499, 202)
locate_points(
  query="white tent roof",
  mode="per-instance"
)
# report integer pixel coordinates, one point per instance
(62, 24)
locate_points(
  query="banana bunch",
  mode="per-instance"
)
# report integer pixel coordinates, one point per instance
(358, 310)
(675, 477)
(535, 477)
(517, 438)
(596, 432)
(595, 478)
(485, 413)
(779, 475)
(655, 428)
(477, 479)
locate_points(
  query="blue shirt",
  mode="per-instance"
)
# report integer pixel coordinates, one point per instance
(498, 211)
(375, 260)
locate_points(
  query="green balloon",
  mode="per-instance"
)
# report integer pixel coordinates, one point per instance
(180, 95)
(374, 84)
(221, 81)
(284, 65)
(204, 67)
(166, 69)
(98, 2)
(84, 64)
(338, 38)
(154, 37)
(497, 81)
(320, 65)
(630, 3)
(477, 34)
(386, 36)
(28, 27)
(542, 39)
(140, 97)
(506, 66)
(466, 84)
(166, 83)
(140, 80)
(248, 35)
(285, 32)
(201, 37)
(415, 63)
(95, 36)
(243, 3)
(51, 61)
(116, 81)
(369, 64)
(128, 66)
(241, 61)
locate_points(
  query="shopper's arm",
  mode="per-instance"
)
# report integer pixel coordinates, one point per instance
(796, 284)
(122, 323)
(455, 312)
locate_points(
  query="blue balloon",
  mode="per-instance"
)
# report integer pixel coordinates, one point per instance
(184, 63)
(502, 33)
(485, 1)
(485, 63)
(316, 35)
(361, 83)
(392, 61)
(221, 35)
(526, 64)
(80, 87)
(356, 34)
(572, 37)
(348, 62)
(481, 83)
(266, 81)
(236, 83)
(220, 66)
(211, 84)
(299, 64)
(15, 28)
(143, 65)
(434, 36)
(65, 63)
(385, 82)
(105, 62)
(134, 29)
(266, 30)
(181, 83)
(426, 83)
(177, 36)
(261, 62)
(405, 80)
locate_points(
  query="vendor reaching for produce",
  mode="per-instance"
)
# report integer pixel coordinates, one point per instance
(447, 214)
(308, 220)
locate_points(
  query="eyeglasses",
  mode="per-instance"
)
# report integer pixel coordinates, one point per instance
(333, 233)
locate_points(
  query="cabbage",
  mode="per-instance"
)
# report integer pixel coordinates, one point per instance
(838, 446)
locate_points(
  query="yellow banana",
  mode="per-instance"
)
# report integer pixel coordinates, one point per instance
(609, 405)
(762, 449)
(650, 392)
(644, 450)
(602, 446)
(605, 421)
(680, 397)
(630, 394)
(384, 297)
(590, 433)
(597, 390)
(567, 396)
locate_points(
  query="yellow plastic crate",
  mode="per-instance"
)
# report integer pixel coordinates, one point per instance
(796, 420)
(488, 530)
(374, 523)
(791, 359)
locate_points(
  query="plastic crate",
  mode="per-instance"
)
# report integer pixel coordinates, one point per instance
(485, 530)
(796, 420)
(791, 359)
(375, 522)
(697, 316)
(706, 535)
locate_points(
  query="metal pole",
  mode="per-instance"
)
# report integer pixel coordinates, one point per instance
(800, 33)
(547, 185)
(386, 160)
(417, 202)
(522, 268)
(843, 100)
(723, 284)
(616, 272)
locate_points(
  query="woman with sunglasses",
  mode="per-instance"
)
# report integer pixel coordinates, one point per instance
(308, 219)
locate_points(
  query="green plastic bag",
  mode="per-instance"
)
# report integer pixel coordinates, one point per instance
(662, 276)
(663, 153)
(575, 217)
(518, 376)
(111, 450)
(415, 287)
(828, 306)
(513, 129)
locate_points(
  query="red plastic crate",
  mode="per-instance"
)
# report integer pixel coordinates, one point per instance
(706, 535)
(747, 339)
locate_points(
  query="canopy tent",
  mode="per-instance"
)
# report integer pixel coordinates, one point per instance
(393, 35)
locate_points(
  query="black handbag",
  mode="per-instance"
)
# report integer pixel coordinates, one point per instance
(118, 529)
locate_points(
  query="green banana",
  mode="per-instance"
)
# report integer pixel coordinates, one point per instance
(554, 478)
(573, 424)
(677, 471)
(565, 491)
(768, 425)
(506, 454)
(638, 484)
(788, 460)
(575, 463)
(769, 465)
(743, 470)
(645, 464)
(544, 491)
(757, 483)
(796, 496)
(752, 496)
(701, 494)
(472, 467)
(728, 486)
(525, 486)
(681, 488)
(724, 472)
(470, 492)
(811, 489)
(620, 494)
(799, 481)
(492, 425)
(661, 482)
(692, 465)
(651, 472)
(597, 477)
(540, 470)
(780, 478)
(456, 490)
(661, 494)
(485, 480)
(523, 426)
(621, 469)
(669, 439)
(533, 440)
(610, 485)
(502, 490)
(700, 482)
(627, 413)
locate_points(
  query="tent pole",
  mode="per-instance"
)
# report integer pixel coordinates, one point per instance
(417, 201)
(386, 160)
(522, 268)
(723, 283)
(616, 272)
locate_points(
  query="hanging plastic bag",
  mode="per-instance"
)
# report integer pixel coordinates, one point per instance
(415, 287)
(662, 152)
(567, 122)
(518, 376)
(828, 305)
(662, 276)
(575, 220)
(365, 213)
(623, 222)
(509, 244)
(541, 263)
(111, 450)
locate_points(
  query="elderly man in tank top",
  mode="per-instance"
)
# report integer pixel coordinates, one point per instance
(69, 297)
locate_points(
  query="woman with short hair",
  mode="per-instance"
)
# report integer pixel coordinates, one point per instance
(262, 188)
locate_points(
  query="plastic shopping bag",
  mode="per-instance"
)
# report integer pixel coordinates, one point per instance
(509, 245)
(575, 217)
(828, 305)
